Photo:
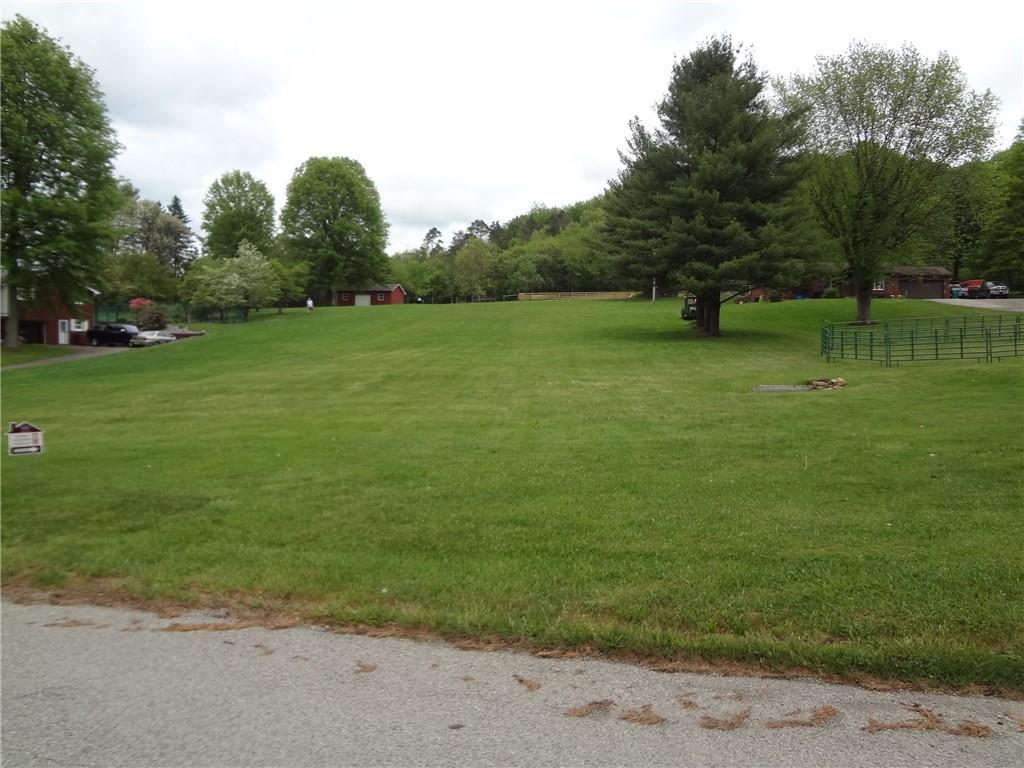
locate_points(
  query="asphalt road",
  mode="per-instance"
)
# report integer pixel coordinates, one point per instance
(89, 686)
(999, 305)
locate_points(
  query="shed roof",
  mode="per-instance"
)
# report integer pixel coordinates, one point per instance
(387, 288)
(920, 271)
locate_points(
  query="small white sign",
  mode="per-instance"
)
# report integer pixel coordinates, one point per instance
(24, 438)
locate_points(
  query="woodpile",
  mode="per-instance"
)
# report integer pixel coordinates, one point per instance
(827, 383)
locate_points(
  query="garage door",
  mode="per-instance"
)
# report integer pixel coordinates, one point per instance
(927, 290)
(362, 299)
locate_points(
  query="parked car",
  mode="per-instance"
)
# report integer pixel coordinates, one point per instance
(111, 333)
(976, 289)
(997, 290)
(956, 291)
(152, 338)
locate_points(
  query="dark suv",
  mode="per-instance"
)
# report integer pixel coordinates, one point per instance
(111, 333)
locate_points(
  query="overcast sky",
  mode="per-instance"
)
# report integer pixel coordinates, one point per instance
(457, 110)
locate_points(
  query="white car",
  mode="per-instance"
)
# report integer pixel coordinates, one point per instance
(152, 338)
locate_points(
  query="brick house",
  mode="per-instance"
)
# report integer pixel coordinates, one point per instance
(52, 322)
(910, 282)
(913, 282)
(369, 296)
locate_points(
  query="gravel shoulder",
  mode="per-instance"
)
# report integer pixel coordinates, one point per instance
(91, 686)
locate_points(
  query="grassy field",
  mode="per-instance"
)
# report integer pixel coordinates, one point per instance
(590, 474)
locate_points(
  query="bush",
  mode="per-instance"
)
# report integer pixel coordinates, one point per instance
(152, 321)
(830, 293)
(774, 295)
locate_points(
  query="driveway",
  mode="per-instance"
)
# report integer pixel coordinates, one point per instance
(1000, 305)
(80, 353)
(90, 686)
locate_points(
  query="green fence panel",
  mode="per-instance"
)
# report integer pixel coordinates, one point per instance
(980, 337)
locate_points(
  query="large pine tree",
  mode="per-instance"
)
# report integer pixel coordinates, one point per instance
(694, 200)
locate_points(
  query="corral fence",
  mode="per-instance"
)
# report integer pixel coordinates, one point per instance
(576, 295)
(891, 342)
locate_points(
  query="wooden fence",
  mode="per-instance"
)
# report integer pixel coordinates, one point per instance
(576, 295)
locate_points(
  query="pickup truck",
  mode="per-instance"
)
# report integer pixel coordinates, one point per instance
(997, 290)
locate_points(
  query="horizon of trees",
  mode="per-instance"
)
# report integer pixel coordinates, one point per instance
(966, 214)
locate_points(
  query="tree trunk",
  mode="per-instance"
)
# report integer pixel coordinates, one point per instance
(864, 304)
(714, 314)
(11, 340)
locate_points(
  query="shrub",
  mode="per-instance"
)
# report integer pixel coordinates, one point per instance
(830, 293)
(152, 321)
(774, 295)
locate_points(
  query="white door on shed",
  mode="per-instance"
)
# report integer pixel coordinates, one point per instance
(362, 299)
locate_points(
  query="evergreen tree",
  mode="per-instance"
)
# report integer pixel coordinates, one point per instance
(694, 201)
(184, 251)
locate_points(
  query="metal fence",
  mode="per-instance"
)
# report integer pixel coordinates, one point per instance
(891, 342)
(171, 313)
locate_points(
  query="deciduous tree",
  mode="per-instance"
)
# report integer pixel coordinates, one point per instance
(886, 126)
(333, 221)
(58, 192)
(238, 207)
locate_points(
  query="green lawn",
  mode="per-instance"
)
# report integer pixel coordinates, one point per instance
(590, 474)
(29, 353)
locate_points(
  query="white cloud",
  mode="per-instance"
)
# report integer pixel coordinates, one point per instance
(457, 110)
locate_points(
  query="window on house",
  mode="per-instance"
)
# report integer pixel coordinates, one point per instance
(344, 297)
(879, 285)
(380, 297)
(79, 326)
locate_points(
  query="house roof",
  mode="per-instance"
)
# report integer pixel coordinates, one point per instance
(387, 288)
(920, 271)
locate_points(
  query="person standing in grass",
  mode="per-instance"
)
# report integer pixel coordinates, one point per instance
(309, 304)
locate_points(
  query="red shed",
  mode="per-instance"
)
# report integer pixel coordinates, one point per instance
(392, 293)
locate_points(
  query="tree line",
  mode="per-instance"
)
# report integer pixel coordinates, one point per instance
(877, 157)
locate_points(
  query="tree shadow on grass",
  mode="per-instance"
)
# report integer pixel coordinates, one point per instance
(685, 335)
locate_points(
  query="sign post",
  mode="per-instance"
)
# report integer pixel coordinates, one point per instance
(23, 437)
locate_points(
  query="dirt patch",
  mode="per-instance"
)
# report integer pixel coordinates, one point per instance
(643, 716)
(820, 716)
(279, 613)
(209, 626)
(734, 696)
(927, 720)
(591, 708)
(72, 623)
(530, 685)
(725, 723)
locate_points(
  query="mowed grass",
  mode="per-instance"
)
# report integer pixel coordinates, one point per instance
(575, 474)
